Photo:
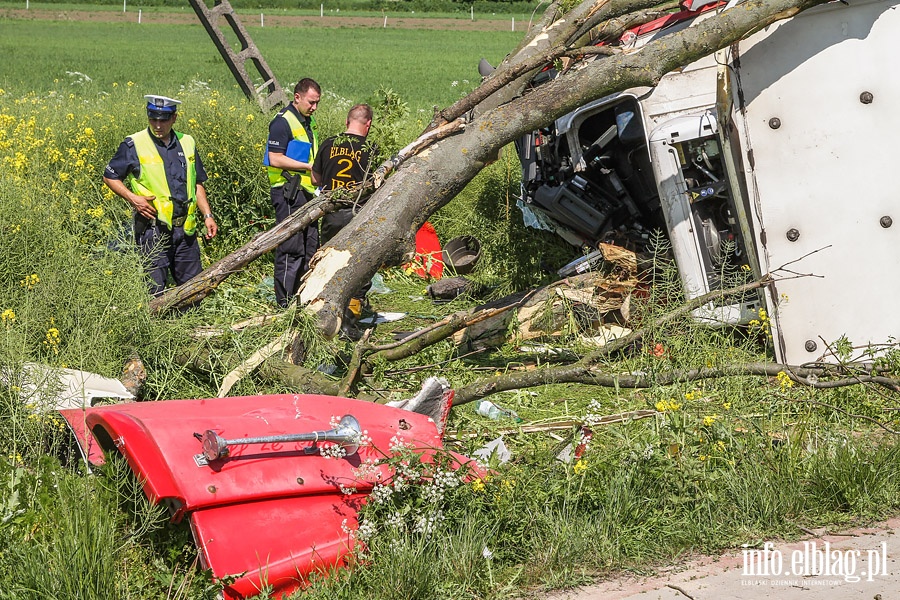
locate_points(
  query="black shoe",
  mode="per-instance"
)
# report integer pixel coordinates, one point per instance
(349, 332)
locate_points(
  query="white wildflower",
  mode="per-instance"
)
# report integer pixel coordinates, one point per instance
(380, 494)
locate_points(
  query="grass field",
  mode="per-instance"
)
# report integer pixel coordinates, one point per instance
(426, 68)
(463, 13)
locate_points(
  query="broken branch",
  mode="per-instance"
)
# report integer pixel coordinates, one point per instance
(202, 285)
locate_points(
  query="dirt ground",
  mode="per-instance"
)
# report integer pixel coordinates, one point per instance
(862, 563)
(271, 20)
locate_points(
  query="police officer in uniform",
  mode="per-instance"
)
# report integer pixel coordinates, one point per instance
(159, 172)
(290, 151)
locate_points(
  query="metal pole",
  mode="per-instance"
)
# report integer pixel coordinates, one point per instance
(513, 23)
(347, 435)
(262, 23)
(139, 15)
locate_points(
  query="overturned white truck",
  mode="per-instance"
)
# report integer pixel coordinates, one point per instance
(777, 155)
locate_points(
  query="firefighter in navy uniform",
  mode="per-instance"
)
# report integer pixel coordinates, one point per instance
(343, 163)
(290, 150)
(158, 171)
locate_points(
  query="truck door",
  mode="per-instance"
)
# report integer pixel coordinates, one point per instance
(816, 102)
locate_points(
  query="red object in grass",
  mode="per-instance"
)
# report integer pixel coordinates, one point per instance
(429, 260)
(267, 514)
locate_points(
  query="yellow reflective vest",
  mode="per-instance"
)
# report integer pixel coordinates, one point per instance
(153, 182)
(300, 149)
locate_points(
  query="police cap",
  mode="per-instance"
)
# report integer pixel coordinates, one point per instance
(161, 107)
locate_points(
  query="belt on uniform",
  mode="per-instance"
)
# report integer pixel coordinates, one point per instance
(179, 221)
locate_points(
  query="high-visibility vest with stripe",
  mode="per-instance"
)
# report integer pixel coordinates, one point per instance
(300, 149)
(153, 182)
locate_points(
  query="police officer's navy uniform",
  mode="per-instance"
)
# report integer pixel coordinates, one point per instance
(287, 130)
(170, 241)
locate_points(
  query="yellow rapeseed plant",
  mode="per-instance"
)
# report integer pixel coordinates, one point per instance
(784, 380)
(668, 405)
(30, 281)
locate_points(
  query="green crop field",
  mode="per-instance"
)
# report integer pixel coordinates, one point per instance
(426, 68)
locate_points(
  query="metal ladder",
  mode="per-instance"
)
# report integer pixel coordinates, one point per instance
(269, 94)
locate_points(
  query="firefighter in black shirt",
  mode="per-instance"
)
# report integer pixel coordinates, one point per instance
(342, 163)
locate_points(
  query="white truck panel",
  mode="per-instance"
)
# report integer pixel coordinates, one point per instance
(822, 179)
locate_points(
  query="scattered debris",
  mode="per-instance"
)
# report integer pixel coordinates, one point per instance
(494, 448)
(462, 254)
(599, 303)
(434, 400)
(382, 317)
(488, 409)
(448, 288)
(45, 388)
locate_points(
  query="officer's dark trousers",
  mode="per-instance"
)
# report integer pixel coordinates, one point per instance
(167, 251)
(293, 255)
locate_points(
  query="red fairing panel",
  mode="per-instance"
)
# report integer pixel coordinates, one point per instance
(267, 513)
(275, 542)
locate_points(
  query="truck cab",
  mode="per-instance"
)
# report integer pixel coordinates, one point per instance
(773, 156)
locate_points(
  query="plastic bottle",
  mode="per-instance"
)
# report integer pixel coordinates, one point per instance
(488, 409)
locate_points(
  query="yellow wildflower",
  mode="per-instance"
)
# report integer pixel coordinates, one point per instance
(668, 405)
(8, 315)
(51, 339)
(710, 419)
(580, 467)
(784, 380)
(30, 281)
(478, 486)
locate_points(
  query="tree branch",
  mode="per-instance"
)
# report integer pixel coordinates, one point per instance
(202, 285)
(594, 375)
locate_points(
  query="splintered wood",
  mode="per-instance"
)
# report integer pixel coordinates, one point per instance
(594, 306)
